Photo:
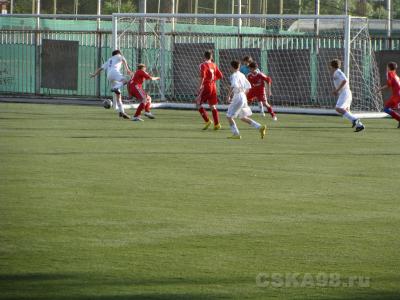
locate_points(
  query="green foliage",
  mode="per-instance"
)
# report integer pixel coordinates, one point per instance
(112, 6)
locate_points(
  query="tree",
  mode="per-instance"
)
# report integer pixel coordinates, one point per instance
(111, 6)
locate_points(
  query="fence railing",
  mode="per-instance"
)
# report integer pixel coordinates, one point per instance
(21, 55)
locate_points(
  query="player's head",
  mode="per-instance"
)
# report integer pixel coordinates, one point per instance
(141, 67)
(235, 65)
(247, 60)
(392, 66)
(335, 64)
(208, 55)
(253, 66)
(116, 52)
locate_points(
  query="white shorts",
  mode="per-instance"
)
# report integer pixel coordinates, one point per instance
(344, 100)
(239, 107)
(117, 80)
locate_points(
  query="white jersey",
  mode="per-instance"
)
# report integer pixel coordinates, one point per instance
(239, 83)
(239, 107)
(114, 64)
(338, 78)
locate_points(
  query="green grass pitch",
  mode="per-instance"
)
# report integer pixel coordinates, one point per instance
(92, 207)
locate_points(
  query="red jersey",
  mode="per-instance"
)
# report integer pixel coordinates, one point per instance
(257, 80)
(393, 81)
(139, 77)
(209, 72)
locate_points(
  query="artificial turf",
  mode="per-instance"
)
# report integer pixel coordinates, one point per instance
(92, 207)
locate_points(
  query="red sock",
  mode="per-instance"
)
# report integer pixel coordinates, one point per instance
(395, 115)
(147, 107)
(139, 110)
(203, 114)
(271, 111)
(215, 116)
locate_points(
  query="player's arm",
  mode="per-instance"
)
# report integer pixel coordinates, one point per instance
(147, 76)
(201, 80)
(128, 70)
(230, 92)
(383, 88)
(268, 81)
(341, 85)
(97, 72)
(268, 89)
(218, 74)
(201, 77)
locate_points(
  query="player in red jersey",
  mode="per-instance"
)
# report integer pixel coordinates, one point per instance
(257, 80)
(136, 90)
(209, 74)
(392, 106)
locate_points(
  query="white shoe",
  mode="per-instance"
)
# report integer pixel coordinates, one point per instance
(275, 118)
(149, 115)
(262, 114)
(137, 119)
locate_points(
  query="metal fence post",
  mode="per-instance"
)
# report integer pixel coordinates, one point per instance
(162, 60)
(99, 62)
(38, 61)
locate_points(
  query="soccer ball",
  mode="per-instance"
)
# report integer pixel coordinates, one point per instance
(107, 104)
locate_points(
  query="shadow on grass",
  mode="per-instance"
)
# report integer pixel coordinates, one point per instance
(46, 286)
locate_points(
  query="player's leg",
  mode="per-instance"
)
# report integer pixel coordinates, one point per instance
(212, 102)
(245, 114)
(214, 111)
(147, 108)
(117, 81)
(233, 111)
(343, 108)
(201, 98)
(118, 97)
(390, 107)
(142, 97)
(269, 109)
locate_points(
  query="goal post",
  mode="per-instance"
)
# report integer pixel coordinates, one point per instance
(291, 49)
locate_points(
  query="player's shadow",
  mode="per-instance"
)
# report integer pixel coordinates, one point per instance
(71, 286)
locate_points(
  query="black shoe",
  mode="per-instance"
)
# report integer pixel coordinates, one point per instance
(398, 126)
(123, 115)
(360, 128)
(354, 123)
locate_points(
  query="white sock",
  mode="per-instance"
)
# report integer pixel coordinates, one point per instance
(349, 116)
(120, 107)
(234, 129)
(261, 107)
(255, 124)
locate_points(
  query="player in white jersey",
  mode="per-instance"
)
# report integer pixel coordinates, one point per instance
(117, 80)
(342, 90)
(238, 103)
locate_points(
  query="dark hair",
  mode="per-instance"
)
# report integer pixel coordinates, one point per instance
(235, 64)
(141, 66)
(336, 63)
(247, 58)
(115, 52)
(208, 54)
(392, 66)
(253, 65)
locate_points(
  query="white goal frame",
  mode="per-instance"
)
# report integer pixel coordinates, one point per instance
(346, 19)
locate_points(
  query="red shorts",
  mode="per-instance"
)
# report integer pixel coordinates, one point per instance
(207, 94)
(393, 102)
(254, 94)
(137, 92)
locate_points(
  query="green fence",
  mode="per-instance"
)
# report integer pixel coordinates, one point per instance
(20, 51)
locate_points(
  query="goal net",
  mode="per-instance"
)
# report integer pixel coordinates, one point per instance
(294, 51)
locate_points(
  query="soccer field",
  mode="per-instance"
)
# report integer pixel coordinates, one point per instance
(92, 207)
